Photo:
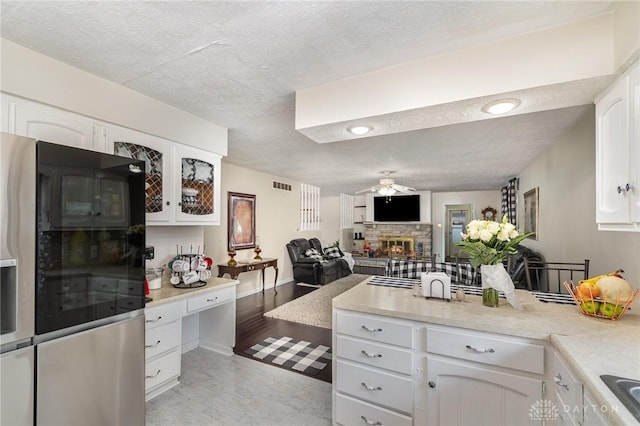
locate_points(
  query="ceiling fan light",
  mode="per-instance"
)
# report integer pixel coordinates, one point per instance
(360, 130)
(386, 191)
(501, 106)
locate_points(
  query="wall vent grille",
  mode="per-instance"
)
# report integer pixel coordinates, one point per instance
(283, 186)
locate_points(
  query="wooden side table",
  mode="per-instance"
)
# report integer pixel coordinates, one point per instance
(252, 265)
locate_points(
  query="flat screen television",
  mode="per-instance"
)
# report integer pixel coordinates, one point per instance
(397, 208)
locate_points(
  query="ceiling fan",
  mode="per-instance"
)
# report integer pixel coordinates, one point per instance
(387, 186)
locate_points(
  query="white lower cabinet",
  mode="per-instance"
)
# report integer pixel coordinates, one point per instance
(482, 378)
(375, 366)
(575, 404)
(568, 393)
(352, 411)
(162, 347)
(205, 319)
(594, 414)
(465, 393)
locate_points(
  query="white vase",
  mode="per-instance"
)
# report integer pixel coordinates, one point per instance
(494, 278)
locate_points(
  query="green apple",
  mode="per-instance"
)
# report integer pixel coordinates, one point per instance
(610, 310)
(590, 307)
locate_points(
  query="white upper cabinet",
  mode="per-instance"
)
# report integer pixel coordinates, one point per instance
(182, 183)
(198, 185)
(156, 153)
(618, 155)
(39, 121)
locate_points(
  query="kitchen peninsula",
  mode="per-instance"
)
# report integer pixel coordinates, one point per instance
(408, 360)
(178, 320)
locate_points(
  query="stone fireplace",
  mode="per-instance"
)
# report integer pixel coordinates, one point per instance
(393, 239)
(395, 246)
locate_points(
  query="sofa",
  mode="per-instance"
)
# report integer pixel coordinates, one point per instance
(314, 265)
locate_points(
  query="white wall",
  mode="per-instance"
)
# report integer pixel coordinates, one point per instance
(277, 221)
(330, 222)
(439, 201)
(565, 176)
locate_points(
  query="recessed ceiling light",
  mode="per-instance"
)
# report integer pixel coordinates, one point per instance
(501, 106)
(360, 130)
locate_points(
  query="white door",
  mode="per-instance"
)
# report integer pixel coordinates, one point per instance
(463, 393)
(458, 216)
(612, 151)
(634, 145)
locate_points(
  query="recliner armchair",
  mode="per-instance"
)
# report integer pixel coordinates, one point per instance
(312, 270)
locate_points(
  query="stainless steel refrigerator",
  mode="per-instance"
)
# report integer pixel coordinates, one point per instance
(82, 358)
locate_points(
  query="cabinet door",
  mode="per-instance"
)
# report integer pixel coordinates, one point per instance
(612, 151)
(52, 125)
(156, 153)
(634, 143)
(198, 186)
(468, 394)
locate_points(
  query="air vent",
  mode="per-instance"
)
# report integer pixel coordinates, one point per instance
(283, 186)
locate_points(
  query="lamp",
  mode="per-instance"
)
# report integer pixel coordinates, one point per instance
(360, 130)
(386, 191)
(501, 106)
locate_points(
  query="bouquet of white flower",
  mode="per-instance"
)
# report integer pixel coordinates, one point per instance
(488, 242)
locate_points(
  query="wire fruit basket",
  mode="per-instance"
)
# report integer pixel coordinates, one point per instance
(592, 307)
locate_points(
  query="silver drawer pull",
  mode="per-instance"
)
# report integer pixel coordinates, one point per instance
(482, 351)
(369, 422)
(153, 375)
(371, 388)
(367, 354)
(212, 300)
(558, 381)
(364, 327)
(152, 345)
(154, 320)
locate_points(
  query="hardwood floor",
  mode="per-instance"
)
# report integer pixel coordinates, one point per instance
(252, 327)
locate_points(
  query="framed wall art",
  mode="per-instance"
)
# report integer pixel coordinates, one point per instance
(531, 214)
(241, 218)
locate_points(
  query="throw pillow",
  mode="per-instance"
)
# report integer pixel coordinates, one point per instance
(313, 253)
(332, 252)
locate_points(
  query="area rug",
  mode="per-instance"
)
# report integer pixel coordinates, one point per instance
(315, 308)
(294, 354)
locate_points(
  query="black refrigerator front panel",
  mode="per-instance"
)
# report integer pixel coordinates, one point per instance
(90, 236)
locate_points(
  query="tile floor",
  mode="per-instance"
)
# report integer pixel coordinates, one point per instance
(232, 390)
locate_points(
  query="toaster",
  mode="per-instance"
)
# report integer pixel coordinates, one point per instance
(436, 285)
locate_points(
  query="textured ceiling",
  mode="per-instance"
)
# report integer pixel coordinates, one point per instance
(238, 64)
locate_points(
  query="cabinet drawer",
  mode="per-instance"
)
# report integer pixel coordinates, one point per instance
(161, 339)
(163, 314)
(568, 390)
(376, 386)
(486, 349)
(385, 330)
(207, 300)
(162, 370)
(350, 411)
(375, 354)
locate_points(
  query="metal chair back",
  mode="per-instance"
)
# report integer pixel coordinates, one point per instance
(549, 276)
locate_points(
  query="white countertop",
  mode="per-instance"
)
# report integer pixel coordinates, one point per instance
(592, 346)
(168, 293)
